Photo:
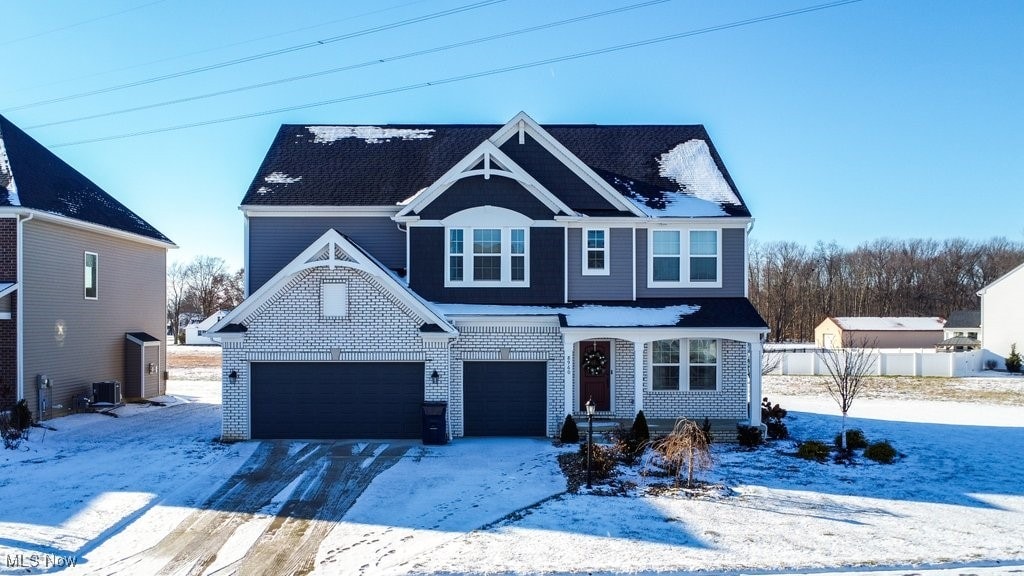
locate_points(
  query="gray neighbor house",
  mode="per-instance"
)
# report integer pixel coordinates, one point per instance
(512, 271)
(82, 285)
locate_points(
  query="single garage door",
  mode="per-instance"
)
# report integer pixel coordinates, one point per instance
(337, 399)
(505, 398)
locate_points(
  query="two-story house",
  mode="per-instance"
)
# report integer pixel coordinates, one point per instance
(82, 285)
(511, 271)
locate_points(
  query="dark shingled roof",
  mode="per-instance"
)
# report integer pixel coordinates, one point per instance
(712, 313)
(964, 319)
(142, 336)
(48, 184)
(356, 171)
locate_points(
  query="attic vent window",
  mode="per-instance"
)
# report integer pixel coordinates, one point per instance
(334, 300)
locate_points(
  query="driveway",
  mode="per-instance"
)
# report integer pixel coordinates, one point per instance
(271, 516)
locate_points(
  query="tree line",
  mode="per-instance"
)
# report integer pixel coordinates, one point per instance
(795, 287)
(199, 288)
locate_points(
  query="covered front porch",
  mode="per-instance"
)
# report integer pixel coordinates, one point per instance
(667, 372)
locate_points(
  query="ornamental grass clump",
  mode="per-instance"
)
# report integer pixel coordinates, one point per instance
(813, 450)
(881, 452)
(686, 446)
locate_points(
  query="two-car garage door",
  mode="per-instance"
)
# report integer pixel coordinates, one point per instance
(384, 399)
(337, 399)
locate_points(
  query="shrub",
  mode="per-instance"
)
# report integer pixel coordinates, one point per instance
(748, 436)
(10, 433)
(627, 446)
(855, 439)
(813, 450)
(570, 432)
(705, 428)
(1013, 361)
(882, 452)
(602, 461)
(772, 417)
(21, 416)
(640, 430)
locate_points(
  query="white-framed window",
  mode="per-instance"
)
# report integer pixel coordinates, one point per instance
(334, 300)
(92, 275)
(487, 257)
(595, 251)
(684, 258)
(684, 364)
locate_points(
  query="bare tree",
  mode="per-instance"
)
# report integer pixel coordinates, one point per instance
(771, 360)
(205, 279)
(687, 445)
(847, 370)
(177, 295)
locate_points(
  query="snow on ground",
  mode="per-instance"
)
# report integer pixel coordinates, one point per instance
(954, 499)
(95, 478)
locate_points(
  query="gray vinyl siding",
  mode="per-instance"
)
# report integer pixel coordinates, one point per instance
(275, 240)
(733, 273)
(618, 284)
(131, 298)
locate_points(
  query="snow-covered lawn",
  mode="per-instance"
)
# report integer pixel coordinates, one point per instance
(100, 489)
(955, 499)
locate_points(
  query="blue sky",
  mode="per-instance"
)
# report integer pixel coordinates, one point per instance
(900, 119)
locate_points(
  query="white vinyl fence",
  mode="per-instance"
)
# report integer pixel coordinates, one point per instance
(888, 363)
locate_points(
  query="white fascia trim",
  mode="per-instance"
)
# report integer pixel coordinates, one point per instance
(1000, 279)
(47, 217)
(522, 121)
(319, 211)
(505, 320)
(9, 290)
(650, 334)
(532, 224)
(360, 261)
(5, 315)
(464, 169)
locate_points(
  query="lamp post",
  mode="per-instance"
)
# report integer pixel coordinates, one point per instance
(590, 436)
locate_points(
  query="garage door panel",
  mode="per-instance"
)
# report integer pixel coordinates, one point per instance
(505, 398)
(336, 399)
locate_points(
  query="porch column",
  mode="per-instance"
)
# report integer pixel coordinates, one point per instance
(756, 348)
(638, 375)
(567, 347)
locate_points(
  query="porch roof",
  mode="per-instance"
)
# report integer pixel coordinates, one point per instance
(646, 312)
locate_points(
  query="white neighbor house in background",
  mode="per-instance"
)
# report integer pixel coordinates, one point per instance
(1002, 315)
(195, 334)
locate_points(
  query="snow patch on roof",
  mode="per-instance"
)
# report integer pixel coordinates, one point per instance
(409, 200)
(7, 177)
(681, 206)
(910, 323)
(281, 178)
(369, 134)
(586, 315)
(691, 166)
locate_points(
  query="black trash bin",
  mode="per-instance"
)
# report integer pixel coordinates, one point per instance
(435, 428)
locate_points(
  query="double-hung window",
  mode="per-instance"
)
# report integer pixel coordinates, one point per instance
(487, 257)
(684, 258)
(595, 251)
(684, 364)
(92, 276)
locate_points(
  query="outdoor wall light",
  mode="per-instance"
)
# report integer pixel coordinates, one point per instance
(435, 377)
(233, 376)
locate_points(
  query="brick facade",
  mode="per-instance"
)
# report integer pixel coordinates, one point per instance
(9, 304)
(728, 402)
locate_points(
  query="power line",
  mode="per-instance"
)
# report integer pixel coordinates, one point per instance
(217, 48)
(262, 55)
(76, 24)
(365, 64)
(473, 75)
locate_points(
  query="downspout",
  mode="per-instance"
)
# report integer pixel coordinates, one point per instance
(245, 258)
(746, 258)
(565, 265)
(20, 323)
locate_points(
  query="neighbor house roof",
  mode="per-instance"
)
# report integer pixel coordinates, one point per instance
(32, 177)
(964, 319)
(894, 323)
(658, 167)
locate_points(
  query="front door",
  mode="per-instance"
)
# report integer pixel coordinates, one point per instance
(595, 374)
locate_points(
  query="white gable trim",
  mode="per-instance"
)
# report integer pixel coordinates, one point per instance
(496, 163)
(1000, 279)
(6, 288)
(523, 123)
(332, 241)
